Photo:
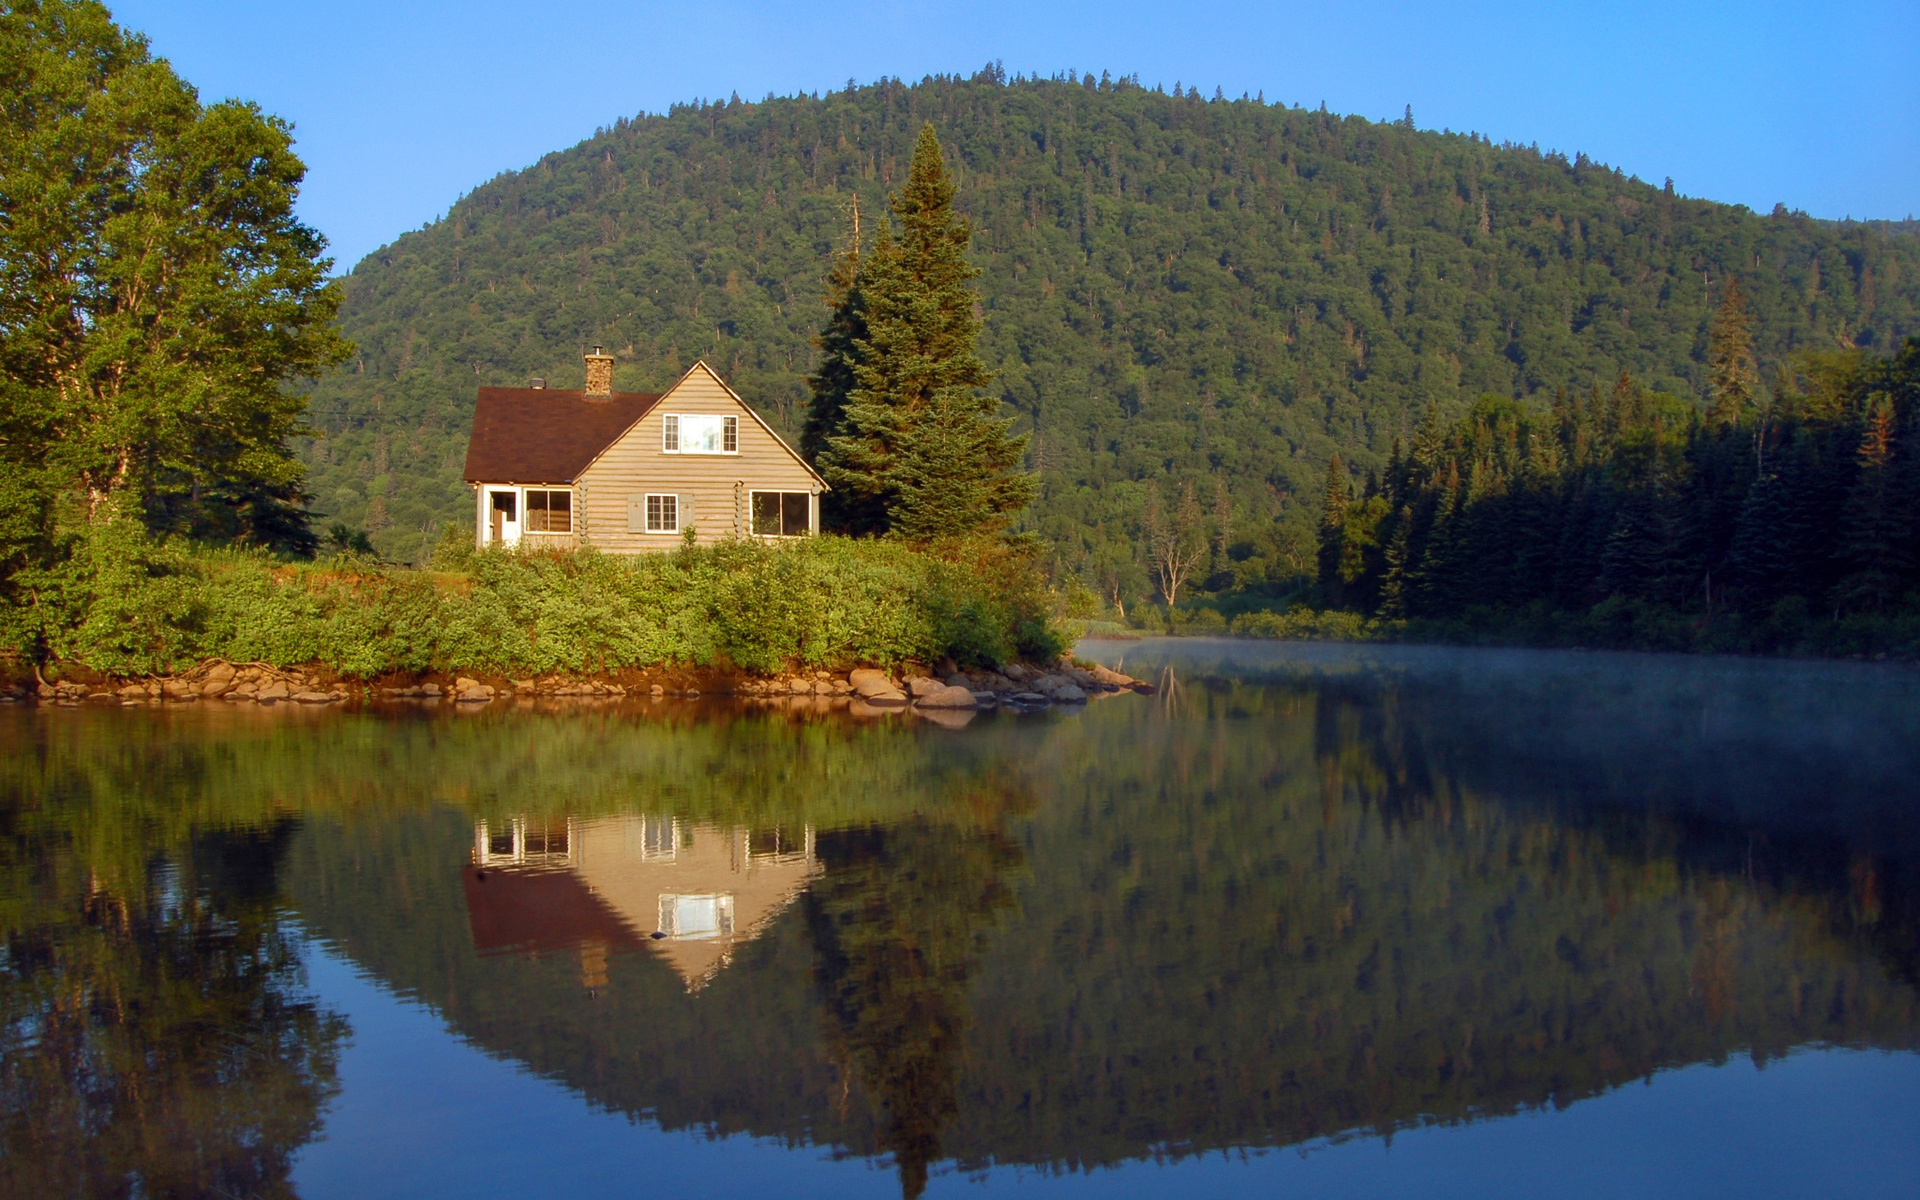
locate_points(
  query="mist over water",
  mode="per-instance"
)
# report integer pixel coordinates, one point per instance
(1439, 920)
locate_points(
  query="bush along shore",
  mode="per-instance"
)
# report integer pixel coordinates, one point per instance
(137, 620)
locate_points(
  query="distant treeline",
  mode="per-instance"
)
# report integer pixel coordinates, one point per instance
(1645, 517)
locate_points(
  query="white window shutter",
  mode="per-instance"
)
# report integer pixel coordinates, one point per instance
(636, 514)
(686, 510)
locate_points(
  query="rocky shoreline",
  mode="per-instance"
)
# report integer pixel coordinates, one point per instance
(863, 690)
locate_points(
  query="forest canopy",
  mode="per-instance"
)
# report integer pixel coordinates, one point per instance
(1172, 288)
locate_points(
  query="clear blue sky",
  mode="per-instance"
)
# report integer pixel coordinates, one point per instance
(402, 106)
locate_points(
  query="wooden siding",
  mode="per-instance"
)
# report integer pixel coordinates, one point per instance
(635, 465)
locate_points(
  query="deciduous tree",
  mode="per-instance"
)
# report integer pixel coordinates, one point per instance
(156, 289)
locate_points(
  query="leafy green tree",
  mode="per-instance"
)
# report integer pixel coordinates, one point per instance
(156, 290)
(917, 437)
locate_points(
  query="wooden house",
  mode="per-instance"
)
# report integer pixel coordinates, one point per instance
(629, 472)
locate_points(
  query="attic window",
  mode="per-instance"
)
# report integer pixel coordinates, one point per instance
(704, 916)
(699, 433)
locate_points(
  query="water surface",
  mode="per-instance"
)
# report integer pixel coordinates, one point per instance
(1321, 920)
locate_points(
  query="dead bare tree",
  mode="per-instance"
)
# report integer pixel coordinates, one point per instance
(1176, 541)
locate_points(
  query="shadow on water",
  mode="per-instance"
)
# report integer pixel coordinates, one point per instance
(1301, 893)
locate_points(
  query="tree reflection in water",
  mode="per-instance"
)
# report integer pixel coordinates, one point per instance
(1243, 915)
(155, 1035)
(899, 923)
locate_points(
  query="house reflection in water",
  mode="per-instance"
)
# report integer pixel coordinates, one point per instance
(690, 894)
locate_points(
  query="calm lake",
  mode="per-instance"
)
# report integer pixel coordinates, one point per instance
(1312, 920)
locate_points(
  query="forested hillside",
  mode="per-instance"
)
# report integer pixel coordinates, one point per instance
(1175, 290)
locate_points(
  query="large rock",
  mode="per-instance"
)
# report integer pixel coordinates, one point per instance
(921, 685)
(946, 696)
(870, 683)
(890, 698)
(272, 692)
(1069, 693)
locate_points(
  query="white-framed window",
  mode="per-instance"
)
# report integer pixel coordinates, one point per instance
(549, 510)
(782, 514)
(663, 513)
(706, 916)
(699, 433)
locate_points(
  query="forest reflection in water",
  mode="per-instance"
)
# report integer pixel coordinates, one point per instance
(1302, 893)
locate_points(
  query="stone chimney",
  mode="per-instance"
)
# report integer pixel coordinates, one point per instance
(599, 373)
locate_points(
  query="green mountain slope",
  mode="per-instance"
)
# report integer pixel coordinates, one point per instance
(1174, 288)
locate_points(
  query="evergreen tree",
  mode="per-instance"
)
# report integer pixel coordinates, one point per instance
(1732, 379)
(1333, 525)
(917, 438)
(1761, 561)
(1875, 532)
(833, 380)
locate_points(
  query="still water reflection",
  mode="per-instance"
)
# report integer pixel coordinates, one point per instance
(1303, 895)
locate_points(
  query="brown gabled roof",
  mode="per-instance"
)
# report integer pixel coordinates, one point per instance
(540, 910)
(546, 435)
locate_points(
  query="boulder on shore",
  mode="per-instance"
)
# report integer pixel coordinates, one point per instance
(871, 684)
(947, 696)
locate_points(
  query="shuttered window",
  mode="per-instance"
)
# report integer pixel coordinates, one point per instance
(663, 514)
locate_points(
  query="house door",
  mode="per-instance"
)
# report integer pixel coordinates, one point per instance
(502, 517)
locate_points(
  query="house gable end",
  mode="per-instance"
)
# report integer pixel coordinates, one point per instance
(700, 378)
(643, 492)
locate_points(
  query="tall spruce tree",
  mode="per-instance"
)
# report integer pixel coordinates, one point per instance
(1875, 525)
(1333, 528)
(833, 380)
(1732, 378)
(919, 449)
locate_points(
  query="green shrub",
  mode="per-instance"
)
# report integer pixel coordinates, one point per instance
(1302, 624)
(128, 605)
